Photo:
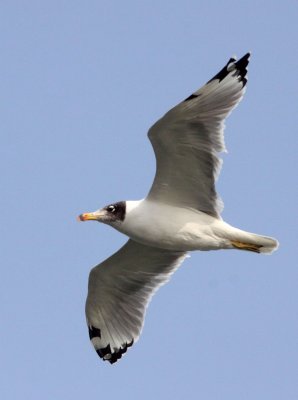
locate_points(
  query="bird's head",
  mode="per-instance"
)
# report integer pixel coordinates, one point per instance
(112, 214)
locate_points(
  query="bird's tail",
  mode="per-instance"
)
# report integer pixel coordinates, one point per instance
(242, 240)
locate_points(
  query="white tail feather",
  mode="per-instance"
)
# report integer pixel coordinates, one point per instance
(268, 244)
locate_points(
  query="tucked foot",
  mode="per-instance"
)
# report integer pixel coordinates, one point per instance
(246, 246)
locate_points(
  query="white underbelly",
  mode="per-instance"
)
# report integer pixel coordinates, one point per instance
(173, 228)
(181, 241)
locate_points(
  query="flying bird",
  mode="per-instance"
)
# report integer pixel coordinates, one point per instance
(181, 213)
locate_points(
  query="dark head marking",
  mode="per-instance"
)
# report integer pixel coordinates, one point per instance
(117, 211)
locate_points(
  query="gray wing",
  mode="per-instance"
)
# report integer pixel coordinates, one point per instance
(119, 291)
(187, 140)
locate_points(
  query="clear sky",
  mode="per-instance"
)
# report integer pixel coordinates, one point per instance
(81, 83)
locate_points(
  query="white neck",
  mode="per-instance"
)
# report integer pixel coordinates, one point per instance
(132, 204)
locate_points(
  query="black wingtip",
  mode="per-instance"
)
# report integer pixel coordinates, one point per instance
(232, 65)
(192, 96)
(240, 67)
(106, 354)
(94, 332)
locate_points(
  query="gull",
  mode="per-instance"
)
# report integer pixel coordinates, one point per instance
(181, 213)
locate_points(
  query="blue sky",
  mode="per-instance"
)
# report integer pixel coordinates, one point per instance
(81, 83)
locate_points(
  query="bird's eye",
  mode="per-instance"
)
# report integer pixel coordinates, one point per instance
(111, 208)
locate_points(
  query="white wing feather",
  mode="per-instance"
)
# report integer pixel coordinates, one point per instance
(119, 291)
(187, 140)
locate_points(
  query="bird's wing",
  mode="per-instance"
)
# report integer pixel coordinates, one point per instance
(119, 291)
(187, 140)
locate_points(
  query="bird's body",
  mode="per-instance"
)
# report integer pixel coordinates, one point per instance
(175, 228)
(169, 227)
(181, 213)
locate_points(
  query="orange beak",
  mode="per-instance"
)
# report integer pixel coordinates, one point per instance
(87, 217)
